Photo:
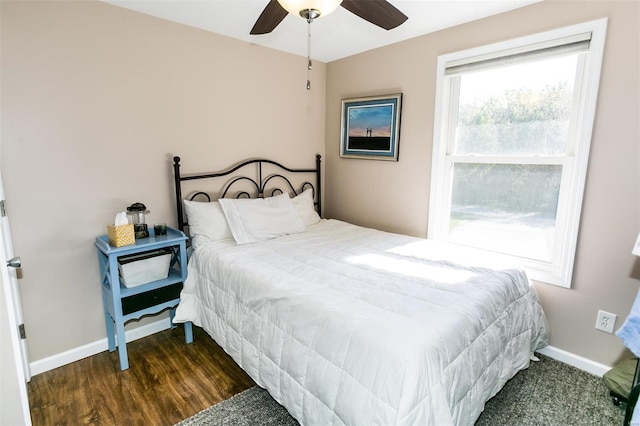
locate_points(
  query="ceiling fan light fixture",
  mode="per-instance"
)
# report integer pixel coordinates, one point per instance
(310, 9)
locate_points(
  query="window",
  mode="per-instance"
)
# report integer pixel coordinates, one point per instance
(511, 144)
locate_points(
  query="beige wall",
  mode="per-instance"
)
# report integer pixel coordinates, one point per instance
(95, 101)
(394, 196)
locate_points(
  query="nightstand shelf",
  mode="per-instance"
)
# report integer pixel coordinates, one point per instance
(123, 304)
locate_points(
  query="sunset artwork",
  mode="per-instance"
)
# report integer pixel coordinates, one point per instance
(370, 127)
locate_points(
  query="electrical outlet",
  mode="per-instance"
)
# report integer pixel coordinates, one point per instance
(606, 321)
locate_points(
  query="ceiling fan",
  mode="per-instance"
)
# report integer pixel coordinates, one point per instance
(378, 12)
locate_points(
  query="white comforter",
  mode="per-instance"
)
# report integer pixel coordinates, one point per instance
(348, 325)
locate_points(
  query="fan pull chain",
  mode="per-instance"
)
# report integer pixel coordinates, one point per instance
(309, 64)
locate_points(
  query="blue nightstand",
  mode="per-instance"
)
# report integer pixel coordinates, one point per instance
(122, 304)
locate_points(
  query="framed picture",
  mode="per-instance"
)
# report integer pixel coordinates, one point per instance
(371, 127)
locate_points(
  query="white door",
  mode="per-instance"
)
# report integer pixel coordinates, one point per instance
(14, 368)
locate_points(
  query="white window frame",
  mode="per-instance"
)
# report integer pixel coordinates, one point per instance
(559, 270)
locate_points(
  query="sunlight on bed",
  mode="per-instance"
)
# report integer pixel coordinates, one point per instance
(463, 256)
(409, 268)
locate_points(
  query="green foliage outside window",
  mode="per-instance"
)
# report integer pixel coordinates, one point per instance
(520, 122)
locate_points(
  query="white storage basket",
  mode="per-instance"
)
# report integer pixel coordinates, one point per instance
(141, 268)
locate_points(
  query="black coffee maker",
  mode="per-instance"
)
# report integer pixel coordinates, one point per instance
(137, 211)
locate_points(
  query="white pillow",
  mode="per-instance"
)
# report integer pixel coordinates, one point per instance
(304, 205)
(207, 223)
(258, 219)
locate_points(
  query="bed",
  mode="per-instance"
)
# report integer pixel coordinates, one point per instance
(344, 324)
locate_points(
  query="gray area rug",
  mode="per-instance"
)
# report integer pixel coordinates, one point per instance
(548, 393)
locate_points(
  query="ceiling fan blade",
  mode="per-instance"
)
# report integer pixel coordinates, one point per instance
(378, 12)
(270, 17)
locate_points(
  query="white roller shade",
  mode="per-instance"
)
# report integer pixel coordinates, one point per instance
(565, 45)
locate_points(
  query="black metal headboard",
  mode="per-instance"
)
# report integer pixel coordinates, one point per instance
(258, 181)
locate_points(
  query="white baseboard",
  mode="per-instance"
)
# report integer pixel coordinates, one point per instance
(574, 360)
(90, 349)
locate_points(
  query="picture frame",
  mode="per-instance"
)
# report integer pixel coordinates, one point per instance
(370, 127)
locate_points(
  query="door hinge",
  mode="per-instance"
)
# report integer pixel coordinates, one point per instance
(23, 334)
(3, 210)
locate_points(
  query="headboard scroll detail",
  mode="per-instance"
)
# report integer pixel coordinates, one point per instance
(260, 183)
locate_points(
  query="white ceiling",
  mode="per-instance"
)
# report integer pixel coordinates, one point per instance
(335, 36)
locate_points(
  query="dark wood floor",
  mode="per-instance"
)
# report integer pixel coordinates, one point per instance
(167, 381)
